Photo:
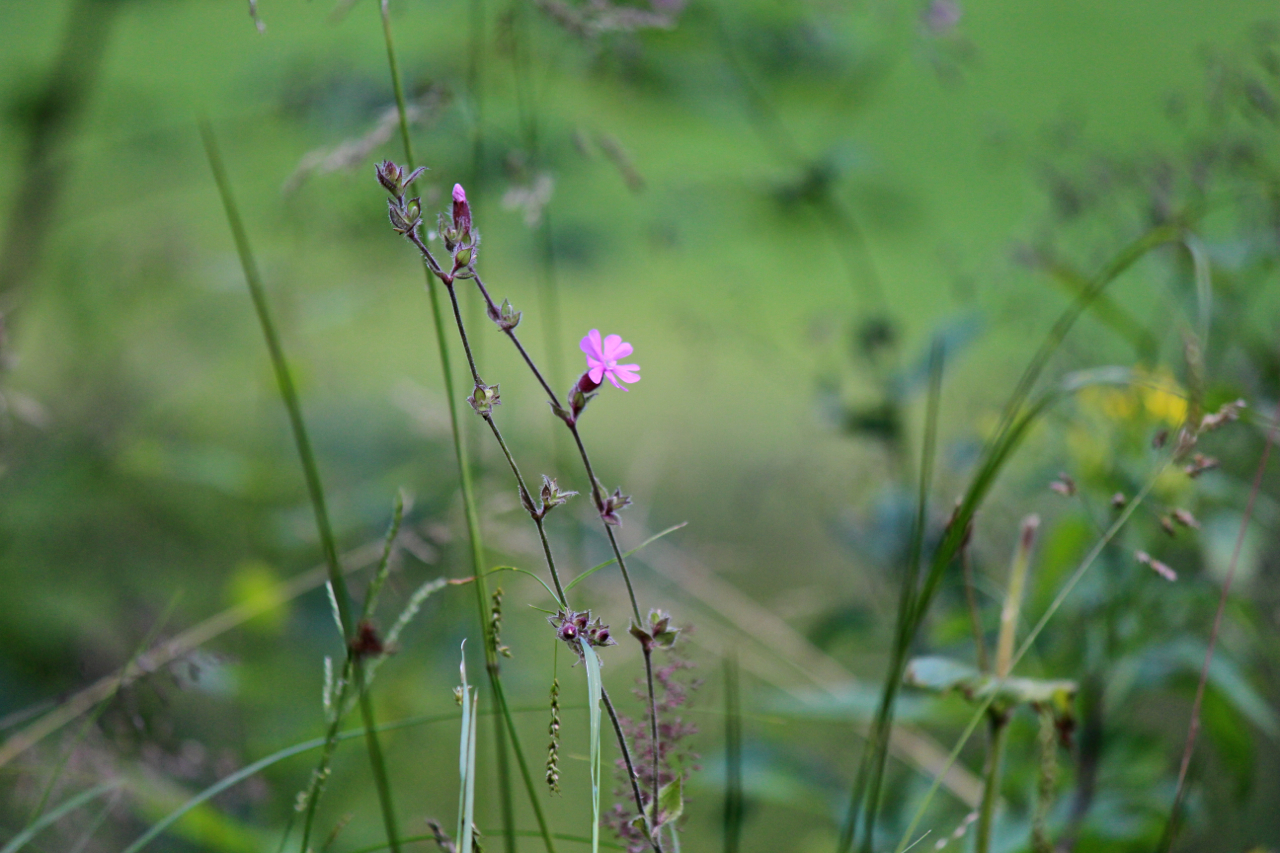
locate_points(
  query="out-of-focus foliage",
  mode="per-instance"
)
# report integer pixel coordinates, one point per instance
(782, 205)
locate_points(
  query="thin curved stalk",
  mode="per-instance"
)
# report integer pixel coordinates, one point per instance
(311, 472)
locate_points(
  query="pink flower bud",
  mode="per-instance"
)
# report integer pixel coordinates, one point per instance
(461, 210)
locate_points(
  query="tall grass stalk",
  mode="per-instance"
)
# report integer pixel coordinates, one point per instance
(505, 724)
(870, 774)
(1169, 835)
(998, 720)
(336, 578)
(1014, 423)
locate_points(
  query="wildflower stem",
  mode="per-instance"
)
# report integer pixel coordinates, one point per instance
(468, 492)
(448, 280)
(525, 495)
(631, 773)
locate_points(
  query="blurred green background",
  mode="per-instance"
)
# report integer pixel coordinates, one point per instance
(779, 204)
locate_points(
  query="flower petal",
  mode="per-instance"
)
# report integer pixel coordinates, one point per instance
(627, 372)
(622, 350)
(614, 380)
(591, 345)
(596, 372)
(610, 346)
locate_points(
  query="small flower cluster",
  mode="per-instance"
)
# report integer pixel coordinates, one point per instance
(485, 398)
(658, 634)
(574, 626)
(609, 504)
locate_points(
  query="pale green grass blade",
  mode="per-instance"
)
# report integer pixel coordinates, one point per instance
(591, 571)
(53, 815)
(550, 591)
(384, 563)
(594, 690)
(464, 741)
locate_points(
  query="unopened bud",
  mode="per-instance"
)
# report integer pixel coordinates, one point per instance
(461, 211)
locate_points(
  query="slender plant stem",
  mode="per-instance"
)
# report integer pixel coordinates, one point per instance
(999, 726)
(597, 497)
(632, 777)
(468, 497)
(648, 655)
(1193, 728)
(311, 472)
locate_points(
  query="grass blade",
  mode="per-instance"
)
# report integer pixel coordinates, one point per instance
(594, 690)
(609, 562)
(468, 501)
(871, 773)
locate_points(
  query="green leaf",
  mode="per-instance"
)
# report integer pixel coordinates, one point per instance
(670, 802)
(943, 675)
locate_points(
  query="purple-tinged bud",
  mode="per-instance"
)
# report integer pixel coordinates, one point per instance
(601, 638)
(568, 632)
(582, 619)
(389, 175)
(461, 211)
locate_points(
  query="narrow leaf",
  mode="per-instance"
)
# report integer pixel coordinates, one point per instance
(594, 691)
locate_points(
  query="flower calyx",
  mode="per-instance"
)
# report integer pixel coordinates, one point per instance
(580, 393)
(552, 496)
(394, 179)
(609, 504)
(657, 633)
(405, 216)
(485, 398)
(576, 626)
(507, 317)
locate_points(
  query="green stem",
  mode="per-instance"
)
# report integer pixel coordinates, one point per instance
(468, 496)
(991, 793)
(311, 472)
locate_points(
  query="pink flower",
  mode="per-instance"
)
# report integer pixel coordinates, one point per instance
(602, 359)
